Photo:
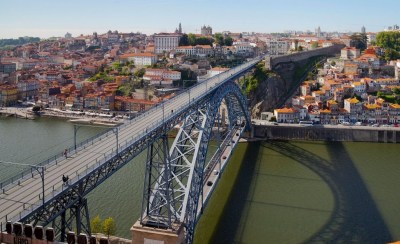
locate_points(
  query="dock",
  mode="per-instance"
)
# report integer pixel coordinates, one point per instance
(17, 112)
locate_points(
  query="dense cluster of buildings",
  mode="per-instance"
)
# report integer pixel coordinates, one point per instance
(80, 72)
(353, 88)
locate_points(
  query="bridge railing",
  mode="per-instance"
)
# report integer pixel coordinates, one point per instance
(221, 78)
(53, 160)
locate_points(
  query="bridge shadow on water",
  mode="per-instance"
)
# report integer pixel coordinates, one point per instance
(355, 218)
(229, 223)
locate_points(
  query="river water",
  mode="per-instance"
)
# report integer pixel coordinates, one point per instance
(287, 192)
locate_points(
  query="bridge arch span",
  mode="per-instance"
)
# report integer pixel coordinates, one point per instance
(175, 180)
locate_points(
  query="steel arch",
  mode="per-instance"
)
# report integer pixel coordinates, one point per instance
(174, 180)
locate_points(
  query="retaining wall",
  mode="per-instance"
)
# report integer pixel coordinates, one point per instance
(385, 135)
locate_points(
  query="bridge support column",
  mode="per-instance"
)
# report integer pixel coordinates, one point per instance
(63, 227)
(76, 216)
(145, 234)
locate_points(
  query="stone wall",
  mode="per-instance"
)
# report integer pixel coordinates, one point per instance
(270, 63)
(386, 135)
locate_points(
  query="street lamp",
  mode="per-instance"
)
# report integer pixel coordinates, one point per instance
(163, 112)
(189, 96)
(77, 127)
(36, 167)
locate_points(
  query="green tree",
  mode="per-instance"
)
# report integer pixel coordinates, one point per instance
(314, 45)
(140, 72)
(219, 39)
(359, 41)
(391, 54)
(228, 41)
(96, 225)
(389, 40)
(109, 226)
(192, 39)
(204, 41)
(184, 41)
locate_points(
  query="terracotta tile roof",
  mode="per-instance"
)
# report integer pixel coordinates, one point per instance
(352, 100)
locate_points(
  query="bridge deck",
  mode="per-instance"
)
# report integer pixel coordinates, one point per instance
(26, 195)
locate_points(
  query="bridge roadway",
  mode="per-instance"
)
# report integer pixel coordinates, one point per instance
(17, 199)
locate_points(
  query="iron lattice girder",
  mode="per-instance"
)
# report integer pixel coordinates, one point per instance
(69, 196)
(157, 188)
(188, 156)
(183, 154)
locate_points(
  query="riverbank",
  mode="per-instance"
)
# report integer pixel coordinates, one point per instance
(72, 116)
(17, 112)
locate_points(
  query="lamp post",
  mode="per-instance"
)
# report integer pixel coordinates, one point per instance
(77, 127)
(189, 96)
(39, 169)
(163, 112)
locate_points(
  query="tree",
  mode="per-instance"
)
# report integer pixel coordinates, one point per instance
(192, 39)
(391, 54)
(109, 227)
(95, 225)
(389, 40)
(204, 41)
(140, 72)
(184, 41)
(228, 41)
(359, 41)
(219, 39)
(314, 45)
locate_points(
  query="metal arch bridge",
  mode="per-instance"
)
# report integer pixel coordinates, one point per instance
(175, 189)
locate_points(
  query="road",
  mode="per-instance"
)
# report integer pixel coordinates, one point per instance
(352, 127)
(27, 195)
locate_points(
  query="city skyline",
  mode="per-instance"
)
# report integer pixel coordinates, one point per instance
(55, 18)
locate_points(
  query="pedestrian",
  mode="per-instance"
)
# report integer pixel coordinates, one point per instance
(65, 178)
(65, 153)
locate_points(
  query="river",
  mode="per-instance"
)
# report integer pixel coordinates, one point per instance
(288, 192)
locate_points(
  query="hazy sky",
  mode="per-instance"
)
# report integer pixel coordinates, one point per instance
(46, 18)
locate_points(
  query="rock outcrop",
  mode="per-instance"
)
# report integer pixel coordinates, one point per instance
(268, 95)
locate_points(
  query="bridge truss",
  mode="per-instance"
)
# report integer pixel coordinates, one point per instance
(174, 176)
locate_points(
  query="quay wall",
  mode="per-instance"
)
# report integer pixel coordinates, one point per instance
(319, 133)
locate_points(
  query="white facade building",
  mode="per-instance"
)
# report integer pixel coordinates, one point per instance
(166, 42)
(139, 59)
(277, 47)
(161, 77)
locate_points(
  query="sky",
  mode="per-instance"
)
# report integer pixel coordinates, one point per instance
(47, 18)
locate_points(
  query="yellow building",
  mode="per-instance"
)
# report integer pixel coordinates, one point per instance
(8, 95)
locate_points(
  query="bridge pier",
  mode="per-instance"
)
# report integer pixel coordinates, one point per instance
(144, 234)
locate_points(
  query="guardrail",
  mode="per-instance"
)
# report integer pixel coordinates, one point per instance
(222, 77)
